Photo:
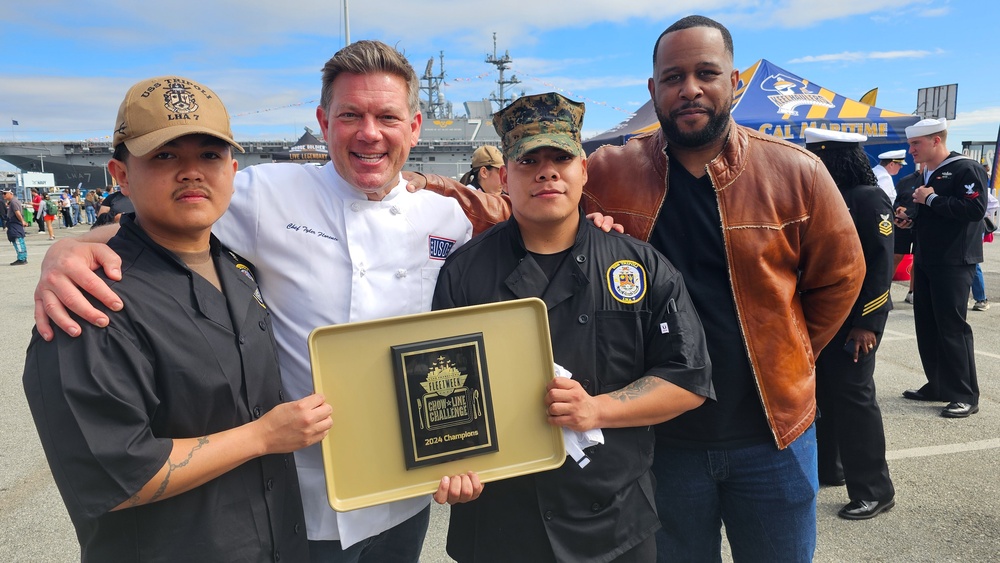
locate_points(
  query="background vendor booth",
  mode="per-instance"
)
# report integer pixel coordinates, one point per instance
(777, 102)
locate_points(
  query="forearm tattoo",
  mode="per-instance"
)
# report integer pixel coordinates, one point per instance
(171, 466)
(636, 389)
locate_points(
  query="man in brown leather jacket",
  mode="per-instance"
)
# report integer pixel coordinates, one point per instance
(774, 262)
(774, 265)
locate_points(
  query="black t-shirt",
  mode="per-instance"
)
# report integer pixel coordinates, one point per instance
(689, 233)
(549, 263)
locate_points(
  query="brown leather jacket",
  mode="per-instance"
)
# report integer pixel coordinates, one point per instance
(795, 261)
(776, 201)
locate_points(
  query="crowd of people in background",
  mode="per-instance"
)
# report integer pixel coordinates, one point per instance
(71, 207)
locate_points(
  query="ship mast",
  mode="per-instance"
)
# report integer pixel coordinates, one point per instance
(502, 64)
(436, 107)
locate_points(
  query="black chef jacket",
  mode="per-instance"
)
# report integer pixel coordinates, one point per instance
(617, 311)
(180, 360)
(949, 231)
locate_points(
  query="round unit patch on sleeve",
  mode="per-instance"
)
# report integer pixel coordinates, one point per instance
(627, 281)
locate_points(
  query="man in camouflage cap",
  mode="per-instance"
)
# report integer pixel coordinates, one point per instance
(621, 323)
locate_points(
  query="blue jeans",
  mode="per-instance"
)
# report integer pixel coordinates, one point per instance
(978, 285)
(91, 215)
(400, 544)
(766, 498)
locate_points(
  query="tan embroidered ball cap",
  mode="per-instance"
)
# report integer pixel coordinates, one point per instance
(158, 110)
(487, 155)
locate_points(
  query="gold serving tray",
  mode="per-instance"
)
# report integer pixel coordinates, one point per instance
(352, 365)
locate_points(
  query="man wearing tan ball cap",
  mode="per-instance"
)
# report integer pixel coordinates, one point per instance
(167, 432)
(160, 110)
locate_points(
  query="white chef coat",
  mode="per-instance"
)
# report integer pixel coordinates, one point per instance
(325, 254)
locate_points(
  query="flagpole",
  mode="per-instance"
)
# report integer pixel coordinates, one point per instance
(993, 170)
(347, 26)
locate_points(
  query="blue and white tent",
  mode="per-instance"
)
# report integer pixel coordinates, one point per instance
(774, 101)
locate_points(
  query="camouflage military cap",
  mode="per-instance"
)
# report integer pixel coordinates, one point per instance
(540, 120)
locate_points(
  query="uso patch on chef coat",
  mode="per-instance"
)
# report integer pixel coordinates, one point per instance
(627, 281)
(439, 247)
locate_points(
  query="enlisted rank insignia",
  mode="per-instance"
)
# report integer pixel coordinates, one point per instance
(884, 226)
(970, 191)
(627, 281)
(875, 304)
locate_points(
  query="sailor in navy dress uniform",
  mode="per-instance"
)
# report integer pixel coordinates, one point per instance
(948, 229)
(850, 429)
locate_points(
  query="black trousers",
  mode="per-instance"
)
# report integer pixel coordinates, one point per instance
(850, 423)
(944, 338)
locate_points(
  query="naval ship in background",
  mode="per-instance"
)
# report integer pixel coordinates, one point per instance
(446, 143)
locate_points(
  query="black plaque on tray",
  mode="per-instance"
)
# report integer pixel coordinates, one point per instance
(445, 406)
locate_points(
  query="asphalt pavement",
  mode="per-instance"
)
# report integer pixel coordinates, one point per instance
(946, 471)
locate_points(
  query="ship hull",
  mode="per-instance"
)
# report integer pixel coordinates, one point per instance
(84, 175)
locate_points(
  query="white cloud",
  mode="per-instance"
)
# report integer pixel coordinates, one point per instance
(253, 26)
(935, 12)
(982, 116)
(230, 45)
(799, 13)
(854, 56)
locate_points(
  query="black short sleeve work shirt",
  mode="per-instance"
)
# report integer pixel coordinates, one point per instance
(180, 360)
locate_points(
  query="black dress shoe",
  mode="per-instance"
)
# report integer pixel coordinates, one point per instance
(959, 410)
(18, 262)
(865, 509)
(918, 395)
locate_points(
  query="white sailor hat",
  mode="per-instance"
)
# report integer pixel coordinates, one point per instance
(926, 127)
(824, 138)
(899, 156)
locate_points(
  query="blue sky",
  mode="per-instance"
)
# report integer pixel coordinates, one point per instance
(66, 64)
